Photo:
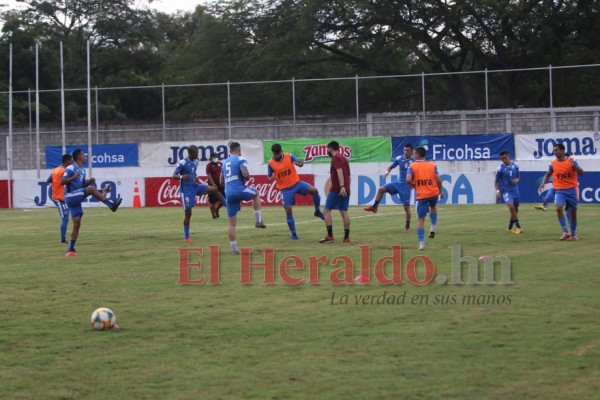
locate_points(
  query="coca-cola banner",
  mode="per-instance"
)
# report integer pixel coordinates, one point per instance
(169, 153)
(5, 200)
(165, 192)
(355, 149)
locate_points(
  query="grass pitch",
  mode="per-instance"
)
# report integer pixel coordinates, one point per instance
(296, 342)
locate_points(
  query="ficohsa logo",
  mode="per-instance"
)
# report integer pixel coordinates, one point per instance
(312, 152)
(575, 146)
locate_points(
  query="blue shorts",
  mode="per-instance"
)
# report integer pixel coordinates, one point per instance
(550, 195)
(63, 209)
(424, 204)
(188, 199)
(235, 197)
(401, 189)
(566, 197)
(510, 198)
(289, 194)
(336, 202)
(74, 200)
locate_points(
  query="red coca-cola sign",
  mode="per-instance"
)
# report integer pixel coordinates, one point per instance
(165, 192)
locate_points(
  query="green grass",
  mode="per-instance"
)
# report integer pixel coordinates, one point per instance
(288, 342)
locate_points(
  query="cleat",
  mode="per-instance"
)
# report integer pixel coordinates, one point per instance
(431, 235)
(574, 237)
(64, 242)
(407, 227)
(235, 252)
(259, 225)
(327, 239)
(217, 213)
(565, 236)
(293, 237)
(71, 253)
(106, 190)
(509, 230)
(543, 208)
(517, 231)
(319, 214)
(371, 209)
(214, 216)
(187, 240)
(116, 204)
(422, 245)
(346, 240)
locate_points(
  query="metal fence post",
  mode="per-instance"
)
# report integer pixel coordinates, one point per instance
(294, 104)
(97, 116)
(423, 93)
(164, 117)
(487, 103)
(357, 105)
(229, 108)
(552, 115)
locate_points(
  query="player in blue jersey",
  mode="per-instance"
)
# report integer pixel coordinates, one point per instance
(235, 173)
(58, 194)
(507, 177)
(191, 187)
(399, 187)
(77, 188)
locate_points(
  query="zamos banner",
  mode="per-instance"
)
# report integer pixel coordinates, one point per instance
(459, 147)
(582, 145)
(355, 149)
(103, 155)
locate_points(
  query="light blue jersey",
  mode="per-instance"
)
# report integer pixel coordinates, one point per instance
(404, 164)
(187, 167)
(232, 174)
(75, 184)
(504, 176)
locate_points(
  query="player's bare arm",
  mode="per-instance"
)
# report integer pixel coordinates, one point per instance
(299, 163)
(438, 179)
(340, 174)
(245, 173)
(576, 167)
(545, 180)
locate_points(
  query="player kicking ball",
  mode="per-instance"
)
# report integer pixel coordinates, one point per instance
(507, 178)
(191, 187)
(282, 168)
(77, 188)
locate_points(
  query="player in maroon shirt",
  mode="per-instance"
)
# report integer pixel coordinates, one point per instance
(339, 193)
(213, 173)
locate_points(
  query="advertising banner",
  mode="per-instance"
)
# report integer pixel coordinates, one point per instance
(165, 192)
(103, 155)
(33, 193)
(355, 149)
(169, 153)
(540, 146)
(458, 147)
(589, 187)
(4, 198)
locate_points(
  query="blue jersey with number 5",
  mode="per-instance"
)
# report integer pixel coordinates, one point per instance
(232, 174)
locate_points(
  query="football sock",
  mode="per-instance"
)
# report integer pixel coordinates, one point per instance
(316, 200)
(517, 223)
(108, 202)
(421, 234)
(433, 217)
(291, 224)
(573, 228)
(346, 233)
(329, 230)
(407, 224)
(376, 204)
(63, 228)
(545, 204)
(510, 225)
(257, 215)
(563, 223)
(72, 245)
(233, 245)
(186, 231)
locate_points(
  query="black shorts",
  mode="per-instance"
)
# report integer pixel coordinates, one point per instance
(212, 198)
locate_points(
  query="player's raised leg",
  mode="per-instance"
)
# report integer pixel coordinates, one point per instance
(380, 192)
(316, 201)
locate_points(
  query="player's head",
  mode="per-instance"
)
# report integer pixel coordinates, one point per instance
(214, 157)
(332, 148)
(192, 152)
(78, 156)
(66, 160)
(235, 148)
(277, 151)
(505, 157)
(559, 150)
(420, 153)
(408, 150)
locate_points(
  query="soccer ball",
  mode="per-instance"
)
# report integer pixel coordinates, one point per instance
(103, 319)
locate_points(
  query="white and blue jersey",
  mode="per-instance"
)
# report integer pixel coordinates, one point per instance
(189, 188)
(504, 176)
(400, 186)
(236, 190)
(75, 190)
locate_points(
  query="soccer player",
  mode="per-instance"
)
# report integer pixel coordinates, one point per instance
(400, 187)
(191, 187)
(507, 177)
(425, 178)
(58, 195)
(213, 173)
(76, 189)
(339, 194)
(282, 168)
(234, 174)
(564, 171)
